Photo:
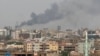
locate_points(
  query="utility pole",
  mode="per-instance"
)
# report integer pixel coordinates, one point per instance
(86, 44)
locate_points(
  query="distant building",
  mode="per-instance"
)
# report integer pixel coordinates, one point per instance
(92, 34)
(66, 47)
(2, 46)
(53, 45)
(81, 45)
(37, 46)
(24, 35)
(15, 34)
(18, 46)
(74, 53)
(28, 46)
(97, 44)
(3, 34)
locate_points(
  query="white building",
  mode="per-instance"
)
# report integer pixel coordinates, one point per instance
(15, 34)
(37, 47)
(3, 32)
(81, 45)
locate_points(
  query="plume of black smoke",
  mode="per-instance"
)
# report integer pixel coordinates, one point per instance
(81, 13)
(47, 16)
(71, 13)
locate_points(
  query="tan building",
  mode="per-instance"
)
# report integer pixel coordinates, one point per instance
(53, 45)
(29, 46)
(74, 53)
(66, 46)
(96, 53)
(2, 45)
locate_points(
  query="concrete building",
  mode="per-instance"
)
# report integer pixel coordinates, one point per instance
(37, 47)
(2, 45)
(81, 45)
(53, 45)
(74, 53)
(15, 34)
(66, 47)
(97, 44)
(28, 46)
(60, 35)
(96, 53)
(3, 32)
(18, 46)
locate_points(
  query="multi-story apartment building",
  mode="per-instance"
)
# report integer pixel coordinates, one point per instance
(28, 46)
(66, 47)
(81, 45)
(2, 45)
(18, 46)
(97, 44)
(32, 46)
(3, 32)
(44, 47)
(53, 45)
(15, 34)
(37, 47)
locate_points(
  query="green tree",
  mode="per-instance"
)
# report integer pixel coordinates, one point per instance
(64, 53)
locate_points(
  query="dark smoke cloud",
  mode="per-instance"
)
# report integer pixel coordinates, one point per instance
(47, 16)
(69, 13)
(81, 13)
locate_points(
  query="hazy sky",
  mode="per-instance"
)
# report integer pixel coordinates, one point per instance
(12, 11)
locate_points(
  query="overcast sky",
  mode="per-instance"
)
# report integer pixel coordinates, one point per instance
(12, 11)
